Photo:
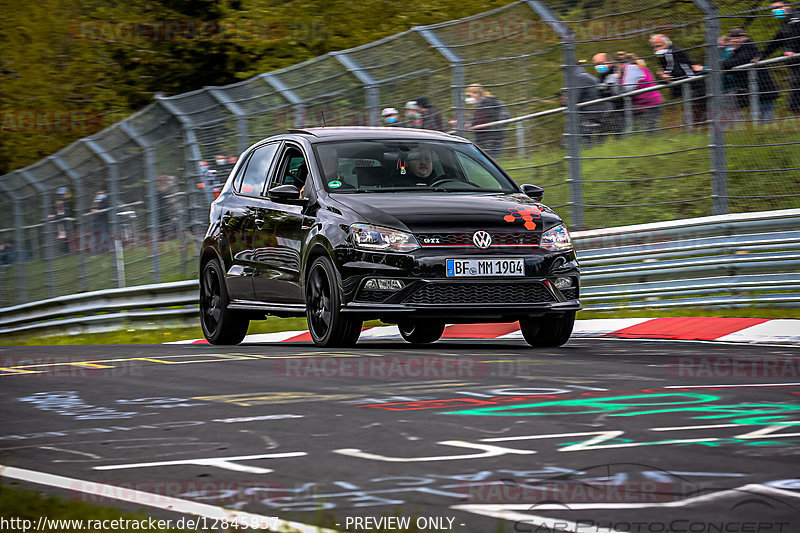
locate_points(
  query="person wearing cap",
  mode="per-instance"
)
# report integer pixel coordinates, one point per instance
(737, 96)
(413, 115)
(431, 115)
(390, 115)
(788, 38)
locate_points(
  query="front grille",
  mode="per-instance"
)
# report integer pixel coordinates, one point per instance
(465, 239)
(570, 294)
(480, 293)
(372, 296)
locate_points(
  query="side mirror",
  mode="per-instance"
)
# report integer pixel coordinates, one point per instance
(287, 194)
(534, 191)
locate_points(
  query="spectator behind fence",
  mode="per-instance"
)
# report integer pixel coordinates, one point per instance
(737, 92)
(413, 115)
(646, 106)
(608, 81)
(676, 65)
(61, 215)
(101, 222)
(593, 118)
(431, 115)
(788, 38)
(390, 117)
(487, 109)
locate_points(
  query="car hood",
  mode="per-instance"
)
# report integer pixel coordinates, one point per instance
(451, 212)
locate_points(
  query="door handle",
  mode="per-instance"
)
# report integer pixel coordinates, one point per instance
(226, 217)
(259, 223)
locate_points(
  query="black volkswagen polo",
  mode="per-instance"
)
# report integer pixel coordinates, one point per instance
(412, 227)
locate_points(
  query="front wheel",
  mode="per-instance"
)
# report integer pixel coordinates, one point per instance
(548, 332)
(220, 324)
(326, 322)
(419, 332)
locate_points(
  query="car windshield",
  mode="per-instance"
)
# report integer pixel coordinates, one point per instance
(408, 165)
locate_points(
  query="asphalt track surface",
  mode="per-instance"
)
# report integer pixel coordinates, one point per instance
(468, 436)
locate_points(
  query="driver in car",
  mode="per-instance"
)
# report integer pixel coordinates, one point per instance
(420, 166)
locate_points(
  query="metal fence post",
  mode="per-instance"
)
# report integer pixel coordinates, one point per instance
(19, 241)
(192, 147)
(47, 226)
(114, 197)
(628, 114)
(752, 84)
(573, 133)
(153, 204)
(456, 68)
(82, 207)
(719, 168)
(292, 97)
(236, 110)
(370, 86)
(688, 116)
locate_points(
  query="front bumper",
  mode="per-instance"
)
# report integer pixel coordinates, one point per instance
(429, 293)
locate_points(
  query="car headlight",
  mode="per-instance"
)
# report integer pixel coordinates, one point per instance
(556, 239)
(376, 238)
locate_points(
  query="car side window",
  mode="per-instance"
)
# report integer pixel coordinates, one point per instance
(292, 170)
(476, 173)
(257, 169)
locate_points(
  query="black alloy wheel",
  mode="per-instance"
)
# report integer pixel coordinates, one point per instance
(548, 332)
(421, 332)
(220, 324)
(327, 324)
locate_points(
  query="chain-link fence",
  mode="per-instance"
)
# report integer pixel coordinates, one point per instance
(650, 135)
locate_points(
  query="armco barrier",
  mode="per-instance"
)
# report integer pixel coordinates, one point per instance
(719, 261)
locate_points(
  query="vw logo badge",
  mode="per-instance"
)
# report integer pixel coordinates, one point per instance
(482, 239)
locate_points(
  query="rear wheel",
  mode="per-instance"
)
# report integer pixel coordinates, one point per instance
(421, 332)
(220, 324)
(548, 332)
(326, 322)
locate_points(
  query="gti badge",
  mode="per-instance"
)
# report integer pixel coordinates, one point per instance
(481, 239)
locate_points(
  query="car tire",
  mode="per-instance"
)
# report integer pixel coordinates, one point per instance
(548, 332)
(421, 332)
(220, 324)
(329, 327)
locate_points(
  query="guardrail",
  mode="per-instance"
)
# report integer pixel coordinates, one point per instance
(719, 261)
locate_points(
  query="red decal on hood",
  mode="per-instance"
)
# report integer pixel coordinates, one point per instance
(526, 213)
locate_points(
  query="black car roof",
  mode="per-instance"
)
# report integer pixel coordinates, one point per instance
(370, 132)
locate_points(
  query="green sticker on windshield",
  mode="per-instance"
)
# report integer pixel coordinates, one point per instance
(335, 184)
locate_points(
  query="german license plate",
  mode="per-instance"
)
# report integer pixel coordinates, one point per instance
(499, 266)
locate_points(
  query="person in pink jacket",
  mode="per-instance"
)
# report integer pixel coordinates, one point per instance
(646, 107)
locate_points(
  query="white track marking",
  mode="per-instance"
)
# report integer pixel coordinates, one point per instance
(155, 500)
(487, 451)
(226, 463)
